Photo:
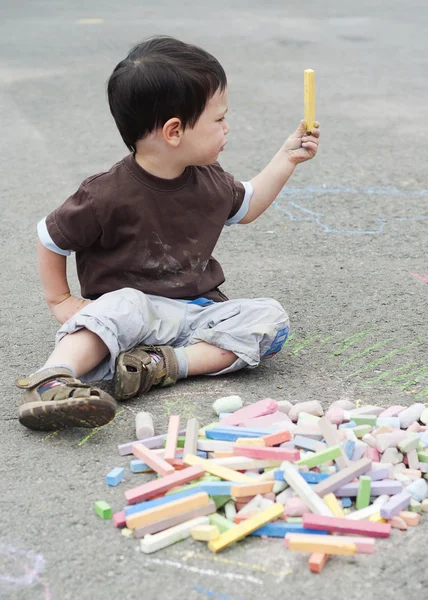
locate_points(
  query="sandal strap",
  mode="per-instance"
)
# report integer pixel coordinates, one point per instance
(39, 377)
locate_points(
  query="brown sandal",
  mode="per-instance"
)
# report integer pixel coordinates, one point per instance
(136, 373)
(72, 404)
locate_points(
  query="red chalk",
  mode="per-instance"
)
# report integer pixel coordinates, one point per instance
(266, 453)
(159, 486)
(341, 525)
(258, 409)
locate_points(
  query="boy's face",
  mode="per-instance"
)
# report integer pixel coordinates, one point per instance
(203, 143)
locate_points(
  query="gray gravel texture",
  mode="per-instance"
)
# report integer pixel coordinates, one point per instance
(344, 249)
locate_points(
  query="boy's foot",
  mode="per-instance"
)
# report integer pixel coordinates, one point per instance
(54, 399)
(137, 370)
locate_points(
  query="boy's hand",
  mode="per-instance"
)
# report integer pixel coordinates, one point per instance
(302, 145)
(66, 308)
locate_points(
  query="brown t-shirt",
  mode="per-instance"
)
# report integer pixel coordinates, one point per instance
(132, 229)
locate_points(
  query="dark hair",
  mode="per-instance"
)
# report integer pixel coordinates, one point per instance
(161, 78)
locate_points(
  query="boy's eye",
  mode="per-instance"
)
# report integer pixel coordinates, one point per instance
(219, 120)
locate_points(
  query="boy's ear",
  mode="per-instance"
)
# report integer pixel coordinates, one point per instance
(172, 131)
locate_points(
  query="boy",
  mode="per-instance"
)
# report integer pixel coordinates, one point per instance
(143, 234)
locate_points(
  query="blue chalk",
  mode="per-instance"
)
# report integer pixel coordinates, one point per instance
(135, 508)
(346, 502)
(349, 425)
(348, 447)
(393, 422)
(138, 466)
(115, 476)
(279, 529)
(216, 488)
(230, 434)
(309, 477)
(307, 443)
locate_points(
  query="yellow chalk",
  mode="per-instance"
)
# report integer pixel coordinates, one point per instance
(250, 442)
(218, 470)
(333, 504)
(246, 527)
(205, 533)
(171, 509)
(309, 98)
(376, 518)
(313, 543)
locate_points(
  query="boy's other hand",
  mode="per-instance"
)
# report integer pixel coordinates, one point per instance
(302, 145)
(66, 308)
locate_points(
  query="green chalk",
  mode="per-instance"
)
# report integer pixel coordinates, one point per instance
(321, 457)
(180, 441)
(415, 506)
(221, 522)
(365, 420)
(423, 456)
(361, 430)
(294, 519)
(210, 426)
(220, 501)
(103, 509)
(409, 443)
(363, 495)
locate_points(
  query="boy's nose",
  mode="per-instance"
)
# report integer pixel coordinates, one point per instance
(226, 127)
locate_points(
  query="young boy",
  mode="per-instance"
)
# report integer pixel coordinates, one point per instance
(143, 234)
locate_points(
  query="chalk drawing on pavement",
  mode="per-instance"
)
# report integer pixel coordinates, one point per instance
(20, 568)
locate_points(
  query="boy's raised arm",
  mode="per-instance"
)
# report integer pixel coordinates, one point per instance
(299, 147)
(53, 276)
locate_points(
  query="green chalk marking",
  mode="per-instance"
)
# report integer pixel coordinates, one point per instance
(103, 509)
(367, 350)
(321, 457)
(363, 495)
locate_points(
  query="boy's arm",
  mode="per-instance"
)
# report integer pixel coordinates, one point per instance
(53, 276)
(299, 147)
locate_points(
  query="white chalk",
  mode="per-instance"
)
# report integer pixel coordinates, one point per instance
(228, 404)
(144, 425)
(157, 541)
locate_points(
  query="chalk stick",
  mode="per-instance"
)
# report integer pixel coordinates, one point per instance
(249, 442)
(280, 437)
(230, 434)
(214, 445)
(309, 98)
(172, 437)
(115, 476)
(144, 425)
(307, 443)
(246, 527)
(157, 463)
(335, 524)
(168, 522)
(366, 513)
(266, 453)
(153, 543)
(304, 490)
(205, 533)
(325, 544)
(365, 545)
(215, 469)
(251, 489)
(268, 420)
(119, 519)
(103, 509)
(388, 486)
(280, 528)
(153, 442)
(395, 504)
(155, 488)
(244, 463)
(229, 404)
(363, 494)
(317, 561)
(333, 504)
(170, 509)
(132, 509)
(331, 438)
(221, 522)
(319, 458)
(411, 519)
(258, 409)
(343, 477)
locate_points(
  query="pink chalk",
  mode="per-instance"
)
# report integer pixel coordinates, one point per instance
(343, 525)
(296, 507)
(365, 545)
(258, 409)
(415, 427)
(335, 415)
(266, 453)
(172, 437)
(119, 519)
(372, 453)
(156, 462)
(267, 420)
(392, 411)
(160, 486)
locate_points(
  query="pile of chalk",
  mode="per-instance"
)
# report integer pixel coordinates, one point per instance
(278, 470)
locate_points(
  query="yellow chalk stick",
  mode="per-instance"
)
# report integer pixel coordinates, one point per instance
(309, 98)
(313, 543)
(250, 442)
(218, 470)
(333, 504)
(252, 489)
(205, 533)
(376, 518)
(170, 509)
(246, 527)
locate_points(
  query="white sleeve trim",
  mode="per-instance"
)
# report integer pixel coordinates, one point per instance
(249, 191)
(47, 241)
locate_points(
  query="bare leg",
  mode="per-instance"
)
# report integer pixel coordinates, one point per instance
(82, 350)
(205, 358)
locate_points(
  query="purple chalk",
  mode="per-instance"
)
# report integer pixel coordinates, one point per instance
(378, 488)
(380, 473)
(153, 442)
(395, 504)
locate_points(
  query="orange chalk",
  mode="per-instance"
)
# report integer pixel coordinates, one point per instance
(325, 544)
(317, 561)
(410, 518)
(277, 438)
(157, 463)
(222, 453)
(251, 489)
(171, 509)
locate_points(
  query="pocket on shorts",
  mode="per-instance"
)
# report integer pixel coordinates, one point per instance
(225, 316)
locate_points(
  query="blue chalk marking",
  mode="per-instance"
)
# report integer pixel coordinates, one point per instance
(278, 529)
(312, 192)
(141, 506)
(115, 476)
